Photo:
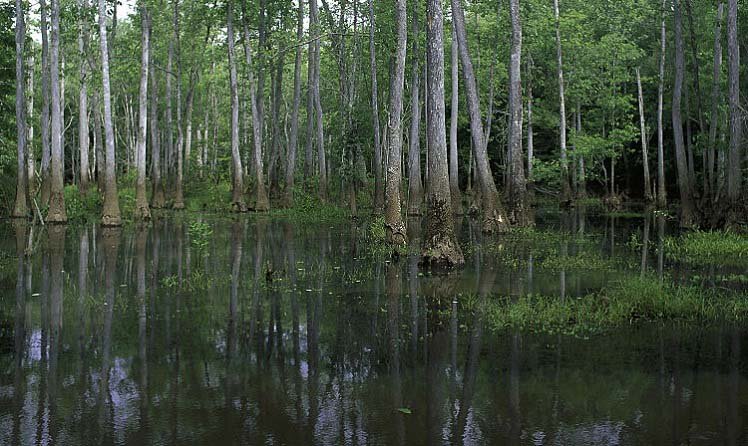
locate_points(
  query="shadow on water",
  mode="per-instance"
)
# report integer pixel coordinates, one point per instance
(249, 331)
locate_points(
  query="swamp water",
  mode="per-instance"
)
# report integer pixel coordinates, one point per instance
(204, 330)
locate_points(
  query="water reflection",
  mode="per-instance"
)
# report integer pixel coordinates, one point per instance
(281, 334)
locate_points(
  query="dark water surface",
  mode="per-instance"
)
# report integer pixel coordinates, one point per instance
(261, 331)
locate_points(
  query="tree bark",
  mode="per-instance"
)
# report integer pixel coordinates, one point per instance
(661, 192)
(83, 130)
(684, 184)
(321, 162)
(158, 199)
(415, 184)
(440, 246)
(294, 138)
(259, 202)
(711, 183)
(519, 212)
(494, 218)
(454, 170)
(530, 132)
(734, 175)
(565, 186)
(396, 233)
(179, 190)
(237, 200)
(21, 208)
(142, 211)
(378, 188)
(45, 118)
(56, 213)
(643, 128)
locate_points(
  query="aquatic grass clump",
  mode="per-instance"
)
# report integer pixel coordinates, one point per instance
(721, 248)
(630, 301)
(308, 208)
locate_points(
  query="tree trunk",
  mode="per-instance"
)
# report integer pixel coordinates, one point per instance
(169, 150)
(30, 162)
(142, 212)
(83, 131)
(45, 119)
(661, 192)
(440, 246)
(158, 199)
(259, 202)
(565, 186)
(734, 175)
(378, 188)
(519, 211)
(710, 190)
(56, 213)
(274, 166)
(415, 184)
(494, 218)
(98, 142)
(684, 184)
(294, 141)
(237, 200)
(582, 176)
(530, 132)
(643, 129)
(21, 208)
(321, 162)
(396, 233)
(179, 187)
(454, 170)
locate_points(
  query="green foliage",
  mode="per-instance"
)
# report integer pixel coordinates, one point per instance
(79, 207)
(630, 301)
(199, 233)
(708, 248)
(308, 208)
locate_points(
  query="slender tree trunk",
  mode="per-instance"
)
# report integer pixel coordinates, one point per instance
(519, 211)
(396, 233)
(415, 184)
(582, 175)
(710, 192)
(237, 200)
(56, 213)
(45, 118)
(494, 218)
(21, 208)
(530, 133)
(454, 170)
(735, 158)
(565, 186)
(30, 162)
(158, 199)
(169, 150)
(294, 138)
(440, 246)
(321, 162)
(276, 124)
(259, 202)
(142, 211)
(83, 130)
(643, 128)
(99, 160)
(179, 189)
(661, 192)
(684, 184)
(378, 180)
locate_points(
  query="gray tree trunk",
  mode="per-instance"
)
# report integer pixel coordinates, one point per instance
(519, 211)
(396, 233)
(734, 176)
(294, 138)
(142, 211)
(415, 183)
(661, 192)
(21, 208)
(237, 201)
(440, 246)
(83, 128)
(56, 213)
(494, 218)
(714, 115)
(454, 170)
(259, 201)
(158, 200)
(684, 183)
(179, 186)
(321, 161)
(45, 119)
(565, 186)
(378, 180)
(643, 129)
(530, 132)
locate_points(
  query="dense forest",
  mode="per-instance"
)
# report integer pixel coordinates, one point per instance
(397, 108)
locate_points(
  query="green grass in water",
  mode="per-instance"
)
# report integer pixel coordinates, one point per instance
(718, 248)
